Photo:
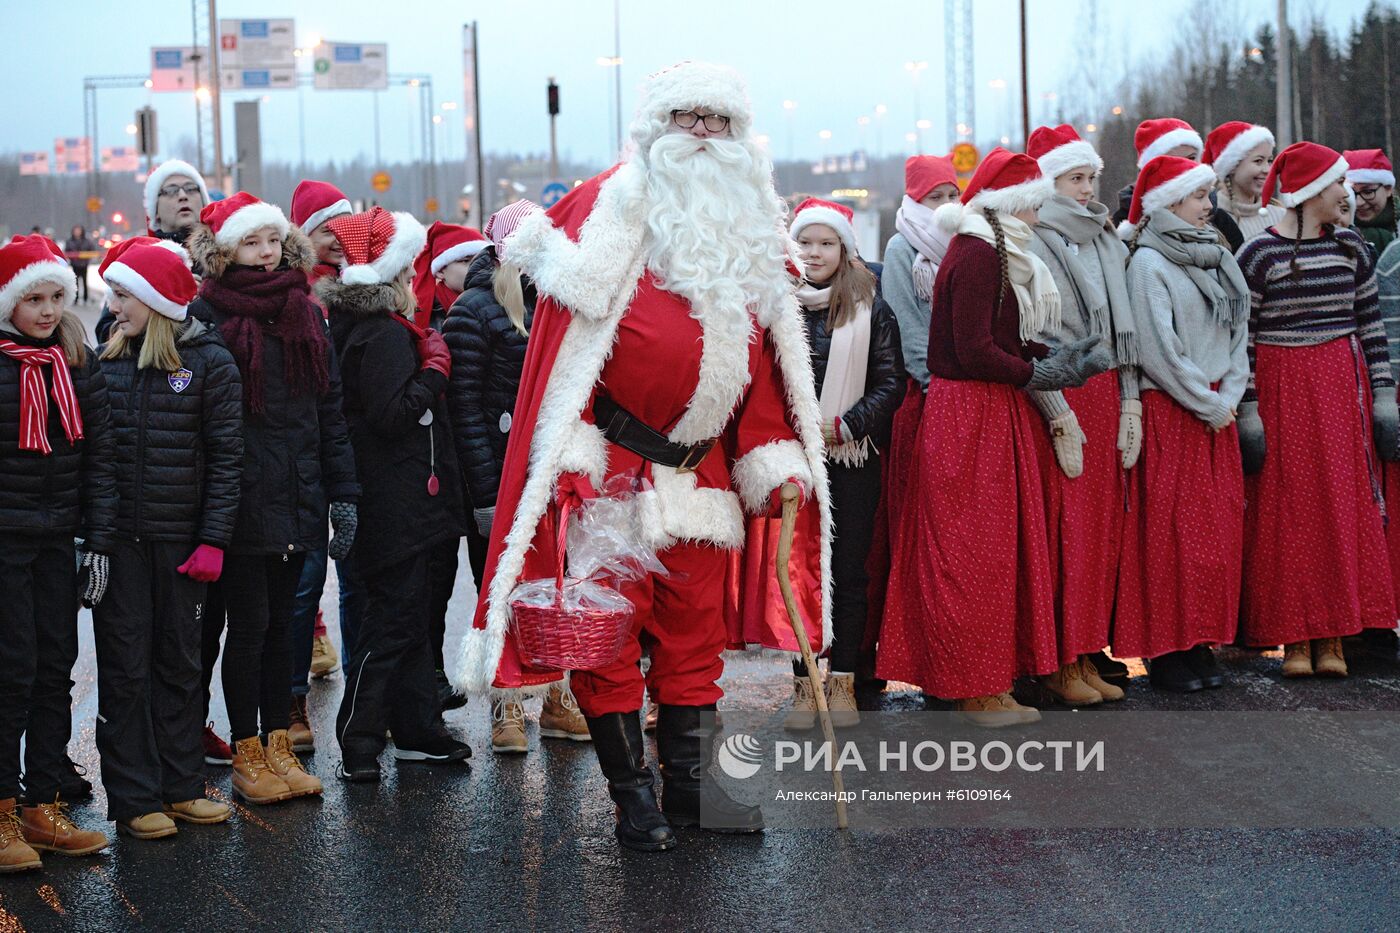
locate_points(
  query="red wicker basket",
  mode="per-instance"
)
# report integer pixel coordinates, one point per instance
(565, 635)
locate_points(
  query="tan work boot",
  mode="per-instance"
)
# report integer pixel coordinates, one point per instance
(841, 700)
(253, 778)
(508, 728)
(1068, 686)
(1328, 660)
(148, 826)
(561, 718)
(804, 706)
(15, 853)
(1023, 714)
(1111, 693)
(303, 739)
(324, 658)
(199, 810)
(987, 711)
(286, 765)
(1297, 659)
(47, 828)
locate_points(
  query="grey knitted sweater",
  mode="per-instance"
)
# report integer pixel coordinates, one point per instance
(912, 315)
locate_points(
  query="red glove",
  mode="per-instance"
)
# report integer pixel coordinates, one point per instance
(775, 498)
(433, 353)
(205, 565)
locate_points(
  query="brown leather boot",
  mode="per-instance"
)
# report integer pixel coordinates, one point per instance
(1068, 686)
(303, 739)
(15, 853)
(987, 711)
(253, 778)
(286, 765)
(47, 828)
(1297, 659)
(841, 700)
(199, 810)
(1023, 714)
(148, 826)
(561, 718)
(804, 706)
(1328, 660)
(1111, 693)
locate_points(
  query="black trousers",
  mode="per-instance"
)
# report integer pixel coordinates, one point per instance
(442, 577)
(389, 683)
(38, 648)
(259, 597)
(148, 630)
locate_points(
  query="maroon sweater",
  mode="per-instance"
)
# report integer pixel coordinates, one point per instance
(969, 337)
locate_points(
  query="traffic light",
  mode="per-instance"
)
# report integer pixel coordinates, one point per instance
(553, 98)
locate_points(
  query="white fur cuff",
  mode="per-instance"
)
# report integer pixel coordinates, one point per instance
(760, 471)
(585, 451)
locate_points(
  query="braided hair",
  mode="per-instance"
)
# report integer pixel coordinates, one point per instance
(1140, 226)
(995, 222)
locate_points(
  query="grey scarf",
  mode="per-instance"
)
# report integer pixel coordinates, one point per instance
(1197, 249)
(1084, 224)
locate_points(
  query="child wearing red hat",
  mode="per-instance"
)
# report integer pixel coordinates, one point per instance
(1371, 175)
(1176, 138)
(1241, 154)
(440, 271)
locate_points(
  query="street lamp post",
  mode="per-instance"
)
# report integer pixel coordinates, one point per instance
(914, 69)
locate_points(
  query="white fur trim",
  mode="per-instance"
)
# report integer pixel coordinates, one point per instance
(1028, 195)
(404, 246)
(119, 273)
(359, 275)
(175, 248)
(30, 276)
(1125, 231)
(584, 450)
(1312, 189)
(1371, 176)
(676, 510)
(717, 88)
(247, 219)
(1170, 192)
(832, 218)
(1071, 155)
(760, 471)
(1168, 141)
(724, 373)
(156, 180)
(326, 213)
(949, 216)
(1232, 155)
(465, 250)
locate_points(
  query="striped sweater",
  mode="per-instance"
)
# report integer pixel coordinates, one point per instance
(1388, 284)
(1334, 295)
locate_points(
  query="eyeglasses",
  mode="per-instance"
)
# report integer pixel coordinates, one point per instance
(714, 122)
(173, 191)
(1368, 193)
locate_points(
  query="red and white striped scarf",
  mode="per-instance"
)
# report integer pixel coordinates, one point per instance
(33, 407)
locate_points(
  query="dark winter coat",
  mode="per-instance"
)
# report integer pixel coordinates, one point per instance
(1219, 219)
(885, 380)
(296, 455)
(72, 491)
(179, 442)
(387, 399)
(488, 354)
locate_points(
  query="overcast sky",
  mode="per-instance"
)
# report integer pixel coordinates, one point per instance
(836, 60)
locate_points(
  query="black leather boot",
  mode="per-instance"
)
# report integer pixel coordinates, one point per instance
(1113, 671)
(684, 746)
(1171, 672)
(617, 738)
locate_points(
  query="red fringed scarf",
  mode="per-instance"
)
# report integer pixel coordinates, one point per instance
(33, 407)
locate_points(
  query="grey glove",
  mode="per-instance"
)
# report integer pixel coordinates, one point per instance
(1071, 365)
(345, 518)
(483, 519)
(1385, 423)
(98, 566)
(1251, 430)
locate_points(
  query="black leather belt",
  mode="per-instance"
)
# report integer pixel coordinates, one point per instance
(622, 428)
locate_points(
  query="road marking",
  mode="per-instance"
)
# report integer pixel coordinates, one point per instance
(121, 897)
(49, 896)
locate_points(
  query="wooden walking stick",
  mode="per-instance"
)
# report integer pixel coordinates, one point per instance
(790, 494)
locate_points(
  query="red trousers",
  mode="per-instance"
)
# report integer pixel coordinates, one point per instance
(683, 617)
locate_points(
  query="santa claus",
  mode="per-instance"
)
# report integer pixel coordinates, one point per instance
(667, 346)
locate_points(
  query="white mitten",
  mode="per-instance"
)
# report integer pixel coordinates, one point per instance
(1069, 443)
(1130, 431)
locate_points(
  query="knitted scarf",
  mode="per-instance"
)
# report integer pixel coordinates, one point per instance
(33, 407)
(915, 223)
(846, 361)
(1198, 249)
(1031, 281)
(1082, 225)
(260, 304)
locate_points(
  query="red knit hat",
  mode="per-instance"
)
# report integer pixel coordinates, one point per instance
(315, 202)
(157, 273)
(838, 217)
(1058, 149)
(1229, 143)
(233, 218)
(25, 262)
(1166, 180)
(1369, 167)
(1301, 172)
(378, 244)
(1158, 137)
(923, 173)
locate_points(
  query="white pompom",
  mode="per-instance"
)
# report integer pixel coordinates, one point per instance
(359, 275)
(949, 216)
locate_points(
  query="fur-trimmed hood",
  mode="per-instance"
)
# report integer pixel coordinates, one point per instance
(356, 301)
(297, 251)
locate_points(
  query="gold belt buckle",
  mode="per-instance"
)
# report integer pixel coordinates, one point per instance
(695, 456)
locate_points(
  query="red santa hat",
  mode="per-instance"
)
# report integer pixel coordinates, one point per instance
(713, 88)
(233, 218)
(156, 273)
(448, 243)
(1158, 137)
(315, 202)
(838, 217)
(923, 173)
(1166, 180)
(1301, 172)
(1058, 149)
(118, 249)
(160, 175)
(378, 244)
(1007, 182)
(26, 262)
(1369, 167)
(502, 224)
(1229, 143)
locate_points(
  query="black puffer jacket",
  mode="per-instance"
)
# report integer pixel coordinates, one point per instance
(179, 442)
(488, 354)
(71, 491)
(884, 372)
(387, 399)
(296, 455)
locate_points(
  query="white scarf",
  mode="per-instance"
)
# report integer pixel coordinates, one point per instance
(1031, 281)
(914, 221)
(844, 384)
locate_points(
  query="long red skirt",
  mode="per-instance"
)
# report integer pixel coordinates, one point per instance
(1084, 518)
(1315, 557)
(894, 493)
(1390, 475)
(971, 603)
(1179, 581)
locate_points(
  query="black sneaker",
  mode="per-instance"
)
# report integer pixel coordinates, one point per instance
(1202, 662)
(358, 767)
(447, 695)
(441, 748)
(1171, 672)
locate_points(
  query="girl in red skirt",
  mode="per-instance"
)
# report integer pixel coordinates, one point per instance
(971, 604)
(1081, 466)
(1321, 386)
(1179, 580)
